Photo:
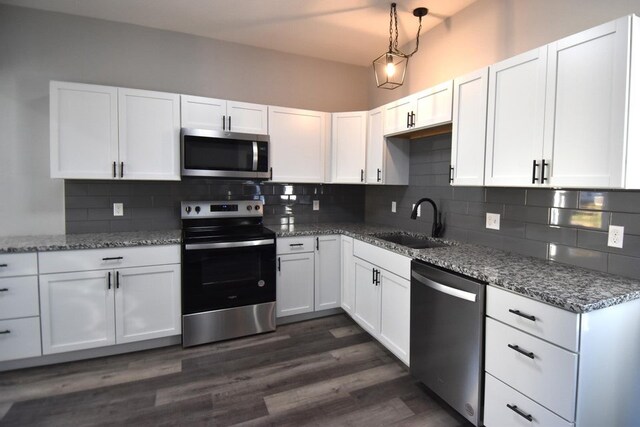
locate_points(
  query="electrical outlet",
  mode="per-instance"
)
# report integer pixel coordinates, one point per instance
(393, 207)
(118, 209)
(413, 206)
(493, 221)
(616, 236)
(316, 205)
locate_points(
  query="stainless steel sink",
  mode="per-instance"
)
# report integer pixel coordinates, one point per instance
(411, 241)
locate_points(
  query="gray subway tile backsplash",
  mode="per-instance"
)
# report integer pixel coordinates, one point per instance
(568, 226)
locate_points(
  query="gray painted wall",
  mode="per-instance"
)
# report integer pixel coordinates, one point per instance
(156, 205)
(37, 47)
(567, 226)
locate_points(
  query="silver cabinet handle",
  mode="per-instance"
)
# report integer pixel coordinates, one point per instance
(469, 296)
(245, 244)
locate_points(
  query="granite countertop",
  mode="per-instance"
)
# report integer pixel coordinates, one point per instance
(60, 242)
(573, 288)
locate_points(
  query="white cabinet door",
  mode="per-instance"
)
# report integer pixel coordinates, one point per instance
(298, 140)
(327, 272)
(398, 115)
(83, 130)
(367, 306)
(585, 130)
(20, 338)
(76, 311)
(395, 314)
(469, 129)
(244, 117)
(147, 303)
(348, 142)
(375, 147)
(295, 284)
(347, 280)
(515, 120)
(149, 135)
(433, 105)
(198, 112)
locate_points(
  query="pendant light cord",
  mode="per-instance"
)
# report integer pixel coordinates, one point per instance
(393, 43)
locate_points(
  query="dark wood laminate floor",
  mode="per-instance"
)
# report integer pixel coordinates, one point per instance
(322, 372)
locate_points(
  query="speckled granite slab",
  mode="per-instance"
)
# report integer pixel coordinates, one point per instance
(88, 241)
(572, 288)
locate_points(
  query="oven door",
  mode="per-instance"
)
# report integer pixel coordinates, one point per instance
(224, 154)
(228, 274)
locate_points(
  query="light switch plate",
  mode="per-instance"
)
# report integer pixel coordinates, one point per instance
(316, 205)
(393, 207)
(118, 209)
(616, 236)
(493, 221)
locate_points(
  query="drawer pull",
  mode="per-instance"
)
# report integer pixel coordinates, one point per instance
(4, 265)
(526, 316)
(112, 258)
(5, 332)
(4, 290)
(529, 354)
(518, 411)
(296, 244)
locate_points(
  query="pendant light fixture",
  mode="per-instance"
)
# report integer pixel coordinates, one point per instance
(391, 66)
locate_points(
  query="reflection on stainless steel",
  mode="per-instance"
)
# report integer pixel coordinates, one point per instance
(216, 325)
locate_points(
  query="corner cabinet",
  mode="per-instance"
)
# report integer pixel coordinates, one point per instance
(99, 297)
(387, 158)
(469, 129)
(218, 114)
(298, 142)
(348, 147)
(102, 132)
(377, 294)
(308, 274)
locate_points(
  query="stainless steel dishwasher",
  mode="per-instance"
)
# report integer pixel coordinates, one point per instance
(447, 336)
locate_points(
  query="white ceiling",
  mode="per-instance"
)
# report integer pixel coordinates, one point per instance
(350, 31)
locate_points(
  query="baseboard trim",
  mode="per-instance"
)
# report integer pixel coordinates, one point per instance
(308, 316)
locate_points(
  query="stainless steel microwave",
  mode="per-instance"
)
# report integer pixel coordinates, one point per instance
(211, 153)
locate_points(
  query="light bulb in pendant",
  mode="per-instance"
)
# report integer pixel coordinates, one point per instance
(391, 69)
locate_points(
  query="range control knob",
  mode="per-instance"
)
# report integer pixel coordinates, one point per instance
(249, 207)
(257, 207)
(197, 209)
(188, 209)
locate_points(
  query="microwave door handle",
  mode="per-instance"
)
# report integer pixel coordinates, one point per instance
(223, 245)
(255, 155)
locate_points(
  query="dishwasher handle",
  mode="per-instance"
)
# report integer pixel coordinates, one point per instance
(468, 296)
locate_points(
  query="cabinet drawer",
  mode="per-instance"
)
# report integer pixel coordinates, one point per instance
(498, 395)
(21, 340)
(549, 377)
(552, 324)
(19, 297)
(390, 261)
(294, 245)
(98, 259)
(18, 264)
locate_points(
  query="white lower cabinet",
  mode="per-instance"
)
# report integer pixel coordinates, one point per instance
(19, 338)
(347, 279)
(88, 309)
(381, 293)
(308, 274)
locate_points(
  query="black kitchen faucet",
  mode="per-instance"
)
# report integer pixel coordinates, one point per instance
(436, 228)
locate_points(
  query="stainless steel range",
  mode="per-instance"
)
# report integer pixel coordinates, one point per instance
(228, 271)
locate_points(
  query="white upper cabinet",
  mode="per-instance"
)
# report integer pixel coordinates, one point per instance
(515, 120)
(102, 132)
(433, 106)
(218, 114)
(298, 141)
(469, 129)
(427, 108)
(387, 158)
(348, 147)
(586, 107)
(83, 130)
(149, 125)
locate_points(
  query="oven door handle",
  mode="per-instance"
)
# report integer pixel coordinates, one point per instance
(458, 293)
(224, 245)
